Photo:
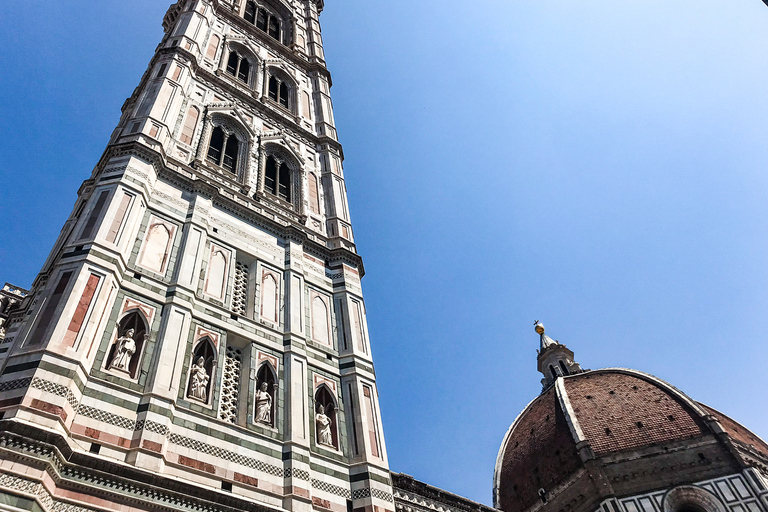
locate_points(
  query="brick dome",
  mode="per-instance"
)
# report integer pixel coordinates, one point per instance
(597, 414)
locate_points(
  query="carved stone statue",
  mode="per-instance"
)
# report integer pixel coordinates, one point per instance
(200, 378)
(323, 422)
(263, 405)
(125, 348)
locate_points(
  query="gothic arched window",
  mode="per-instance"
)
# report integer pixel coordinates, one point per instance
(264, 407)
(201, 368)
(223, 149)
(277, 178)
(280, 91)
(239, 67)
(264, 20)
(125, 353)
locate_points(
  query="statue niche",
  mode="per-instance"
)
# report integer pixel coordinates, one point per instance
(201, 370)
(325, 419)
(126, 351)
(264, 401)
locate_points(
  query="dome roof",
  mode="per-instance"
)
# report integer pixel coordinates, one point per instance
(596, 414)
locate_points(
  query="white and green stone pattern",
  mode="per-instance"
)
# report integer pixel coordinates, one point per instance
(210, 252)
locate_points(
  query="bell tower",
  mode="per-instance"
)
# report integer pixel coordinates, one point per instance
(197, 337)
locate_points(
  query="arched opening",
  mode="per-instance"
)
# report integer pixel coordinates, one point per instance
(125, 354)
(280, 89)
(264, 406)
(224, 149)
(201, 370)
(277, 178)
(564, 368)
(325, 418)
(239, 67)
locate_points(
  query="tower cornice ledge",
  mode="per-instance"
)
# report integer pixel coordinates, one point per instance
(238, 203)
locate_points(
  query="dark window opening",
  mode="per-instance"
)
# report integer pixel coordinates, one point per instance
(261, 20)
(564, 368)
(239, 67)
(273, 88)
(226, 486)
(245, 71)
(230, 154)
(250, 12)
(232, 63)
(223, 149)
(216, 147)
(270, 176)
(284, 188)
(284, 94)
(552, 370)
(95, 448)
(274, 28)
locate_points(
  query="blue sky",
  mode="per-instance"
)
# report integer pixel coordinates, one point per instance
(600, 166)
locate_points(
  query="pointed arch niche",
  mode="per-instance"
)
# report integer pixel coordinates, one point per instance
(320, 318)
(125, 352)
(202, 371)
(217, 273)
(265, 409)
(326, 429)
(269, 301)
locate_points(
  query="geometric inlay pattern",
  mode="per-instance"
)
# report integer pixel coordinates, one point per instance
(225, 454)
(15, 384)
(378, 493)
(106, 417)
(296, 473)
(55, 389)
(333, 489)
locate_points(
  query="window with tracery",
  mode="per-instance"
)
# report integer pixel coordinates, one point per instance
(264, 20)
(239, 67)
(277, 178)
(279, 91)
(230, 384)
(223, 149)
